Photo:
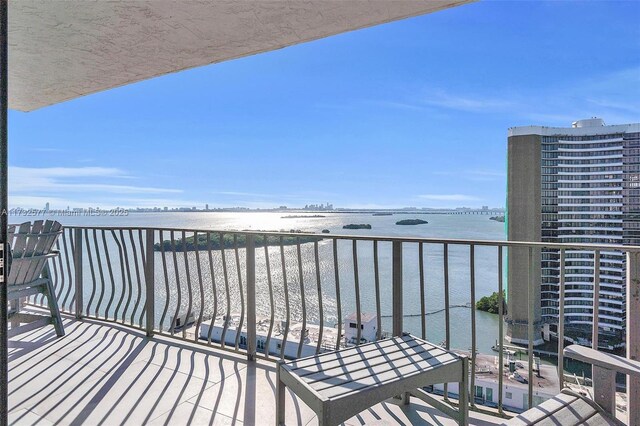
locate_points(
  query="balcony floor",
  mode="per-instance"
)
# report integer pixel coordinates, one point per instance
(102, 373)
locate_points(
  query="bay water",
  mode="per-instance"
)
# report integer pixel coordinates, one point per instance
(439, 226)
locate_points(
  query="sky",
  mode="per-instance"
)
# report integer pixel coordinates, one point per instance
(409, 113)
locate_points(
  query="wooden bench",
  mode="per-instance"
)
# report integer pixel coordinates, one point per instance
(338, 385)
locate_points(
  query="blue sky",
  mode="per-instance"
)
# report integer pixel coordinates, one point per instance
(411, 113)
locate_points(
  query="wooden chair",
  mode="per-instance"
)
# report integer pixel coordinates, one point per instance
(570, 408)
(32, 245)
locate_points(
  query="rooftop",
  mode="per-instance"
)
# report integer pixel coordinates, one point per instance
(586, 127)
(487, 371)
(365, 317)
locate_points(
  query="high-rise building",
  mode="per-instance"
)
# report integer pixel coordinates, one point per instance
(572, 185)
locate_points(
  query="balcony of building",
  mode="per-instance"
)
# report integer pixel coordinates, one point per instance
(106, 373)
(179, 326)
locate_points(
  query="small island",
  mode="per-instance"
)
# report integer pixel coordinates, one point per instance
(357, 226)
(325, 231)
(382, 214)
(219, 241)
(301, 216)
(497, 218)
(411, 222)
(490, 303)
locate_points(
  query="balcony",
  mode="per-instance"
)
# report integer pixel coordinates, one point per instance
(184, 325)
(105, 373)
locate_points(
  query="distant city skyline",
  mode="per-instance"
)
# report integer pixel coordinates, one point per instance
(410, 113)
(17, 210)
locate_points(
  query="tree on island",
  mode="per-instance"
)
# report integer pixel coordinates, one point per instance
(490, 303)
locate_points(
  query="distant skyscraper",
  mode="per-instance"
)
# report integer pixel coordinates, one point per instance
(572, 185)
(46, 207)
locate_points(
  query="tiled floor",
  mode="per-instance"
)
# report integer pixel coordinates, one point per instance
(105, 374)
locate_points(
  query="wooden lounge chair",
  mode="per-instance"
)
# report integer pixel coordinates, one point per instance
(338, 385)
(570, 408)
(31, 248)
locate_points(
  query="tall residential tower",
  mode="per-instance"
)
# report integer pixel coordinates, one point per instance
(572, 185)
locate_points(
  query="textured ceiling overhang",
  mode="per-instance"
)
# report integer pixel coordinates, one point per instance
(60, 50)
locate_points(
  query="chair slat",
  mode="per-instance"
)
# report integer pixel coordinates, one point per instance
(18, 243)
(43, 245)
(567, 409)
(33, 238)
(379, 375)
(32, 247)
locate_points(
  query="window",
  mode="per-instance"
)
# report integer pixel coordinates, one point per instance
(354, 325)
(478, 391)
(508, 395)
(489, 394)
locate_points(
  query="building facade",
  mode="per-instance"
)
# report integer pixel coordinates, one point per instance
(572, 185)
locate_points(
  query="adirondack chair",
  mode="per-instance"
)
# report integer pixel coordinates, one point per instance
(570, 408)
(32, 247)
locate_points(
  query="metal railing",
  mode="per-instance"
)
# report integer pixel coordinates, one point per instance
(275, 287)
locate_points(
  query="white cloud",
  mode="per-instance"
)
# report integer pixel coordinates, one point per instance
(478, 103)
(448, 197)
(64, 172)
(474, 175)
(243, 194)
(46, 149)
(612, 96)
(131, 202)
(245, 197)
(62, 186)
(72, 179)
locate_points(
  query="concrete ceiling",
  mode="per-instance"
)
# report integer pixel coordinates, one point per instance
(60, 50)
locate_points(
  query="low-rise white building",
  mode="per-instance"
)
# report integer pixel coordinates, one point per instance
(368, 328)
(515, 388)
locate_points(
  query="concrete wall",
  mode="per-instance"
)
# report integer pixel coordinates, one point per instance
(524, 222)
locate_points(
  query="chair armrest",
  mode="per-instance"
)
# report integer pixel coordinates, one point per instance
(603, 359)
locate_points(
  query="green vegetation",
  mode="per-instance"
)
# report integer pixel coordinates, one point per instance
(229, 242)
(411, 222)
(490, 303)
(497, 218)
(325, 231)
(357, 226)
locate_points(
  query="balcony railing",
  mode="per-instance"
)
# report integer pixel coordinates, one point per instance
(298, 287)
